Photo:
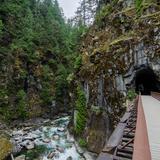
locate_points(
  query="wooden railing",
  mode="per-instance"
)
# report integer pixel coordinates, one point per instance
(156, 95)
(141, 143)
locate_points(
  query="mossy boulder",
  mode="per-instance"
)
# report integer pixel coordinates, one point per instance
(5, 147)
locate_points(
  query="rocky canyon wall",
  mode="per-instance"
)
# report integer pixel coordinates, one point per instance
(124, 40)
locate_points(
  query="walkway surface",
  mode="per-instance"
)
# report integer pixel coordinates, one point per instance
(151, 107)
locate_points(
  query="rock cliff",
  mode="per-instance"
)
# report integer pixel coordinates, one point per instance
(120, 53)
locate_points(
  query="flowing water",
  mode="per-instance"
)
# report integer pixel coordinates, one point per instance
(54, 136)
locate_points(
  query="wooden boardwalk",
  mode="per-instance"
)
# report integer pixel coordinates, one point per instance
(137, 136)
(151, 107)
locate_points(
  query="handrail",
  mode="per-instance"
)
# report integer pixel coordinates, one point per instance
(156, 95)
(141, 143)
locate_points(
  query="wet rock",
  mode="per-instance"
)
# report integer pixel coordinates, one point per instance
(79, 149)
(69, 145)
(46, 121)
(56, 155)
(51, 155)
(31, 136)
(30, 145)
(27, 128)
(46, 140)
(18, 139)
(88, 156)
(21, 157)
(56, 137)
(15, 133)
(69, 158)
(61, 129)
(60, 149)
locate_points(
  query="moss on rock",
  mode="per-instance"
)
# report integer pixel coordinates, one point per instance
(5, 147)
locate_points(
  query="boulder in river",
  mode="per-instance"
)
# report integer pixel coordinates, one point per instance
(69, 158)
(21, 157)
(30, 145)
(51, 155)
(46, 140)
(60, 149)
(55, 137)
(5, 147)
(61, 129)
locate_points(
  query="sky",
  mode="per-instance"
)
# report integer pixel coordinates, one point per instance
(69, 7)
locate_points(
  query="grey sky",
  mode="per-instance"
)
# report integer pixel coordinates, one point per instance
(69, 7)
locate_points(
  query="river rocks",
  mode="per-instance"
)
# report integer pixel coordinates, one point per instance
(69, 158)
(46, 140)
(56, 137)
(79, 149)
(60, 149)
(61, 129)
(27, 128)
(30, 145)
(19, 133)
(46, 121)
(51, 155)
(21, 157)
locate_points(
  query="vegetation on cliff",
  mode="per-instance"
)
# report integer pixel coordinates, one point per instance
(81, 109)
(37, 52)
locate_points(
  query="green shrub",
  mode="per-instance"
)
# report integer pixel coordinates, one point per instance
(46, 93)
(78, 62)
(61, 82)
(22, 104)
(81, 111)
(6, 114)
(1, 27)
(138, 4)
(82, 143)
(131, 94)
(103, 13)
(70, 78)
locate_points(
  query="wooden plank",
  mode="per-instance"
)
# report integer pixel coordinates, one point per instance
(105, 156)
(141, 143)
(125, 117)
(115, 138)
(156, 95)
(151, 108)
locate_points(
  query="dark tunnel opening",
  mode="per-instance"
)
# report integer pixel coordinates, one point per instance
(146, 81)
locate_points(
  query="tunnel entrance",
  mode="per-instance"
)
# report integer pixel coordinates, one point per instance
(146, 81)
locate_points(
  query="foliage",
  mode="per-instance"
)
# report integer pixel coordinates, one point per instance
(138, 4)
(38, 48)
(70, 78)
(1, 27)
(21, 104)
(81, 111)
(46, 93)
(131, 94)
(82, 143)
(61, 82)
(105, 11)
(78, 62)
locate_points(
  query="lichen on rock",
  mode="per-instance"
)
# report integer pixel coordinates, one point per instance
(5, 147)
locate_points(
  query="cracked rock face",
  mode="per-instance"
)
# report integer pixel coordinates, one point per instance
(117, 46)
